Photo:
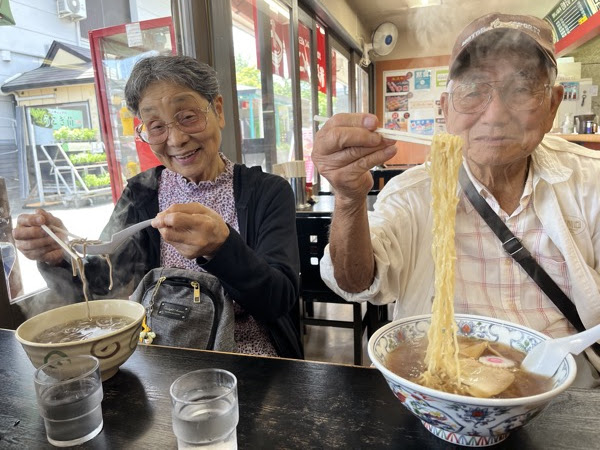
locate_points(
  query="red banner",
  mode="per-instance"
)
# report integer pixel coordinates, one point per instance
(304, 51)
(279, 41)
(321, 59)
(279, 45)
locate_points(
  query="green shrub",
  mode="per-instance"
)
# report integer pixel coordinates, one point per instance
(95, 181)
(41, 117)
(87, 158)
(66, 134)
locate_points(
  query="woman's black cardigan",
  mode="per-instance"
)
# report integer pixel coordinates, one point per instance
(258, 267)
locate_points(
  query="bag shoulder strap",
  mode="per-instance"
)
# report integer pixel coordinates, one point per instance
(515, 248)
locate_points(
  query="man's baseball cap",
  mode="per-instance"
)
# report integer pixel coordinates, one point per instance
(538, 30)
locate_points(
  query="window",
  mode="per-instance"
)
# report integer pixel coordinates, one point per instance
(261, 43)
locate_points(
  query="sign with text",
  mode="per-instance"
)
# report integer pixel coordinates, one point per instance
(569, 14)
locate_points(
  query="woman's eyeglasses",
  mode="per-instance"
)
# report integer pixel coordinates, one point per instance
(471, 98)
(189, 121)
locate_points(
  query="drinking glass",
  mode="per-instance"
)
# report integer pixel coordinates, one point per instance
(205, 409)
(69, 395)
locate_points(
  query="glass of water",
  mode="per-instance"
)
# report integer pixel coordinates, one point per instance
(205, 409)
(69, 395)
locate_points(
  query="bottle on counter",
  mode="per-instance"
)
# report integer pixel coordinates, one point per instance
(567, 125)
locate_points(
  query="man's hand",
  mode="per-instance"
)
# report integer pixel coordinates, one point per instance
(344, 151)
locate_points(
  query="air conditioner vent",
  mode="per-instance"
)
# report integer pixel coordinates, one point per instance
(71, 9)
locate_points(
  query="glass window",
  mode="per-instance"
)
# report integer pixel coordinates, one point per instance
(66, 172)
(306, 94)
(340, 69)
(362, 89)
(322, 71)
(261, 43)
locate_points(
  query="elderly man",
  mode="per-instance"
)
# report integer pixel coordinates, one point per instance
(501, 100)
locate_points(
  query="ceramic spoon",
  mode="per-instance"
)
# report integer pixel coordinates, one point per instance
(545, 357)
(117, 239)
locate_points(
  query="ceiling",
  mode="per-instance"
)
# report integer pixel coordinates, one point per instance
(431, 31)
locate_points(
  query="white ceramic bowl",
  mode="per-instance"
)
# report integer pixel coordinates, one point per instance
(112, 349)
(459, 419)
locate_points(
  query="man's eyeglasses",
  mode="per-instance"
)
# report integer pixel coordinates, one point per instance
(190, 120)
(471, 98)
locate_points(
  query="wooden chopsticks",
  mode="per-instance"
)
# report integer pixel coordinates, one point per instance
(393, 134)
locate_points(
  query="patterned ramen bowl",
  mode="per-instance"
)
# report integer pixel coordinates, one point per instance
(463, 420)
(112, 349)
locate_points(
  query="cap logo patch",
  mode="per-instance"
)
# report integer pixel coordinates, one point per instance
(499, 24)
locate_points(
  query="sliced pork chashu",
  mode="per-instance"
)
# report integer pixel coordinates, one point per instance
(484, 381)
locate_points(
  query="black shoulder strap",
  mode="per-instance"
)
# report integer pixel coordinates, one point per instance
(514, 248)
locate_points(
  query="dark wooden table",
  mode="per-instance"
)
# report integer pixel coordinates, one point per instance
(283, 404)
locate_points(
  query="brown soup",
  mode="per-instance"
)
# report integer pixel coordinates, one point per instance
(408, 361)
(81, 329)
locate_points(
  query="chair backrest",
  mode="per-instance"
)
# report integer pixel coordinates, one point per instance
(313, 236)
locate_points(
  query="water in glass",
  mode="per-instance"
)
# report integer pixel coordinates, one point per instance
(207, 425)
(72, 413)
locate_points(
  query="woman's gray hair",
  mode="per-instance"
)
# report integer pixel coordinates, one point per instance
(182, 70)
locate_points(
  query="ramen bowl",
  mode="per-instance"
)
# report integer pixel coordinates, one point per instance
(112, 349)
(459, 419)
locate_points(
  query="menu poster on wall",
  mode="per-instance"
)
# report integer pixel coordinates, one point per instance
(422, 79)
(571, 90)
(398, 83)
(569, 14)
(411, 99)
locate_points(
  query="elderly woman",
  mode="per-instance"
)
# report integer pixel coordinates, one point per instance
(211, 215)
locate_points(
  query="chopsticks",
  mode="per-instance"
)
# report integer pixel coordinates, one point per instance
(60, 242)
(393, 134)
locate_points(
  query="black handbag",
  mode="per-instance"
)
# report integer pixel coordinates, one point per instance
(185, 308)
(519, 253)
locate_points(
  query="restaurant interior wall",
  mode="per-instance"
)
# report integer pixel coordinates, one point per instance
(408, 153)
(431, 30)
(348, 18)
(588, 55)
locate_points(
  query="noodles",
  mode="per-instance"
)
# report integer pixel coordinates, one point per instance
(441, 358)
(77, 266)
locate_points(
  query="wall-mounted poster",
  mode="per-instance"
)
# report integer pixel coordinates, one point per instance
(398, 83)
(397, 102)
(423, 79)
(411, 99)
(571, 90)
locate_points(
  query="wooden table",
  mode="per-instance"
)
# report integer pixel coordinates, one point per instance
(283, 404)
(591, 141)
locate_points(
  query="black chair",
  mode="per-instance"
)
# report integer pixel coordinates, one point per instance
(313, 234)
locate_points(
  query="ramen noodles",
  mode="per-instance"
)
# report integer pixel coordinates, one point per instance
(488, 369)
(441, 358)
(77, 266)
(81, 329)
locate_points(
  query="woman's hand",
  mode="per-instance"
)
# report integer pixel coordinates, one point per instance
(344, 151)
(193, 229)
(34, 242)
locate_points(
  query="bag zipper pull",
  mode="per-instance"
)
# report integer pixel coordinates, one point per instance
(196, 287)
(147, 335)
